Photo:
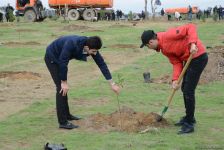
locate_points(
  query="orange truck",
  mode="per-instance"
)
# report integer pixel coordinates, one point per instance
(182, 10)
(32, 10)
(87, 9)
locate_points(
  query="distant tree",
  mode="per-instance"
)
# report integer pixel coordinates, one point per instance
(130, 16)
(146, 11)
(154, 3)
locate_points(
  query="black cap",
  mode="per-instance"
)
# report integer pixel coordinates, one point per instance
(146, 36)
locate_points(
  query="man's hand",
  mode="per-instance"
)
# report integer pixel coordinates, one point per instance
(175, 85)
(64, 88)
(194, 48)
(115, 88)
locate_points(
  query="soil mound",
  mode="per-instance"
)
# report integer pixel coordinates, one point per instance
(126, 120)
(21, 75)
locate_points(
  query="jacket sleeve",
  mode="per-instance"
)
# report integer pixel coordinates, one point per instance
(102, 65)
(64, 58)
(188, 31)
(177, 67)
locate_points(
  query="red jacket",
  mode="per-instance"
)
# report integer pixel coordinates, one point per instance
(175, 44)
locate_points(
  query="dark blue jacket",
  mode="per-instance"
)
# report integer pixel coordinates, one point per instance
(66, 48)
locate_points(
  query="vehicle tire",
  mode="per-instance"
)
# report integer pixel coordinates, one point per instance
(89, 14)
(30, 15)
(73, 14)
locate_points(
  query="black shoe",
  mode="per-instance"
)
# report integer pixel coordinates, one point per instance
(183, 120)
(68, 125)
(186, 128)
(71, 117)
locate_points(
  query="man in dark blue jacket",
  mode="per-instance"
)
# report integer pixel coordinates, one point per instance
(58, 55)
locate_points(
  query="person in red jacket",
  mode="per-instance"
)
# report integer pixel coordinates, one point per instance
(177, 44)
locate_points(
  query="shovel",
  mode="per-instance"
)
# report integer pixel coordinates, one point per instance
(174, 90)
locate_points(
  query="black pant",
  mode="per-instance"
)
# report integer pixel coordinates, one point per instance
(61, 101)
(190, 82)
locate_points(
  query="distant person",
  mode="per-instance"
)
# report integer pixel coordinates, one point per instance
(222, 12)
(120, 14)
(117, 15)
(162, 12)
(143, 15)
(220, 9)
(1, 17)
(199, 14)
(190, 12)
(113, 15)
(169, 17)
(177, 15)
(9, 13)
(215, 10)
(177, 44)
(57, 57)
(207, 13)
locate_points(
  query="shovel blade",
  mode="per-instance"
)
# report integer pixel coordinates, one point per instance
(163, 112)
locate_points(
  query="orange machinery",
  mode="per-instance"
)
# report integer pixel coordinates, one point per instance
(80, 8)
(32, 10)
(182, 10)
(81, 3)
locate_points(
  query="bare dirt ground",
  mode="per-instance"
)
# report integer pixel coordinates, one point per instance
(134, 46)
(126, 120)
(16, 44)
(19, 89)
(82, 28)
(26, 30)
(20, 75)
(214, 71)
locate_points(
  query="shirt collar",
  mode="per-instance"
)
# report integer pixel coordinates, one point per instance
(159, 38)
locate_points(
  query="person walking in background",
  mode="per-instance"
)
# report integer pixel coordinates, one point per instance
(143, 15)
(9, 13)
(162, 12)
(177, 44)
(220, 10)
(58, 54)
(177, 16)
(189, 12)
(199, 14)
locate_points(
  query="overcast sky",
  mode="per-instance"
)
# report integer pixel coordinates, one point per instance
(138, 5)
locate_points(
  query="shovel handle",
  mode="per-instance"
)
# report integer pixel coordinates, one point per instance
(180, 78)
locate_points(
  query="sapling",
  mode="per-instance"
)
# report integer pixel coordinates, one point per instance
(121, 84)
